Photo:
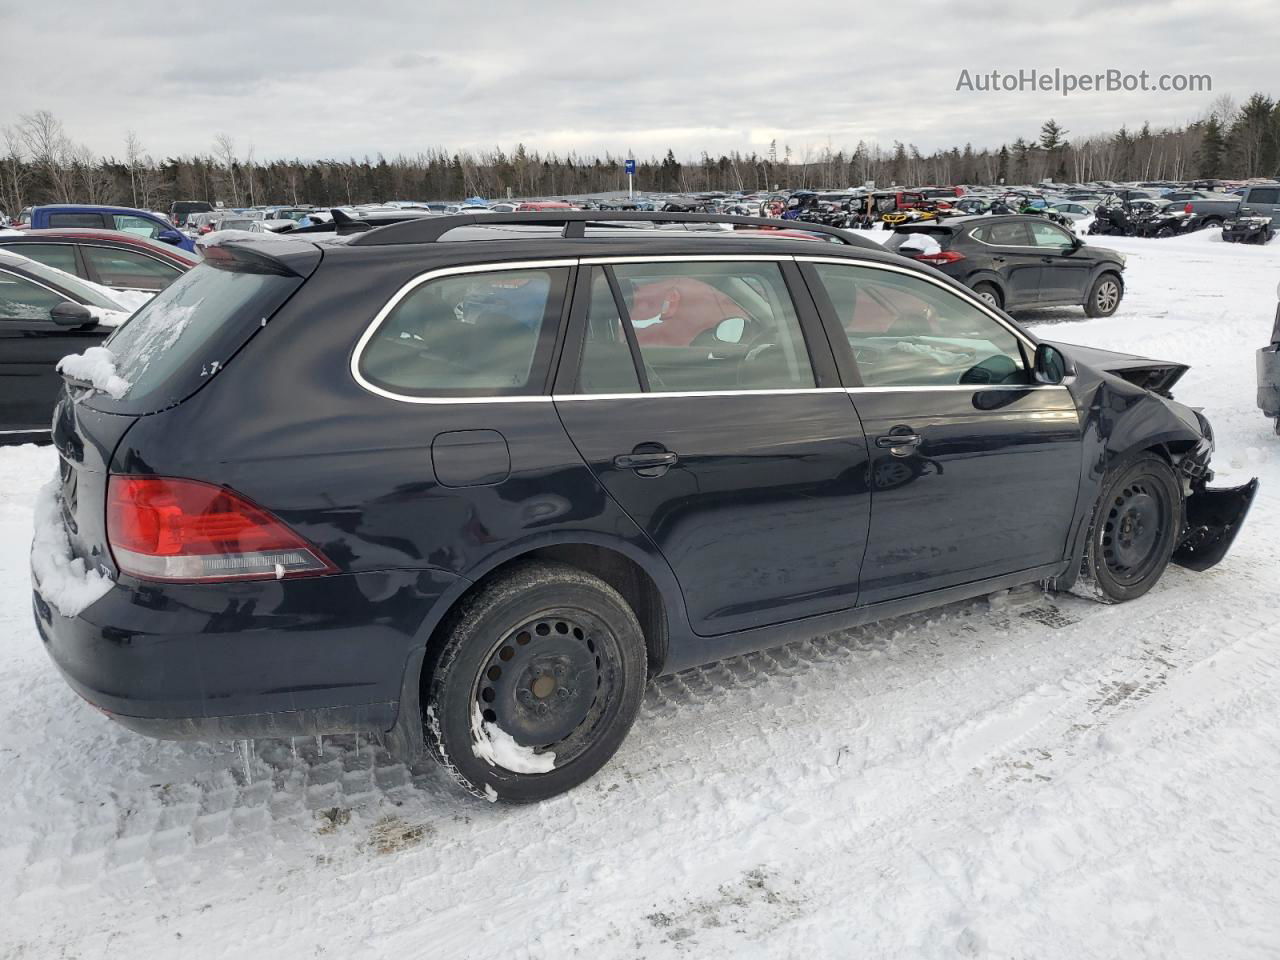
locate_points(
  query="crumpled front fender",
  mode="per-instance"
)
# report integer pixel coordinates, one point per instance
(1213, 518)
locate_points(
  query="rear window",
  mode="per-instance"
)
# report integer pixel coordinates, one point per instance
(76, 220)
(188, 331)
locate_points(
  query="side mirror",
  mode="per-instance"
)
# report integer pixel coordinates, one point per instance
(169, 236)
(731, 329)
(1051, 364)
(68, 314)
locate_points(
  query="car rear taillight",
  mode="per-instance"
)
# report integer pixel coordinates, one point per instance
(1187, 208)
(161, 528)
(942, 256)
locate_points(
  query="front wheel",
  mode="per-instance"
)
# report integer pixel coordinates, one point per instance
(536, 685)
(1134, 531)
(1104, 296)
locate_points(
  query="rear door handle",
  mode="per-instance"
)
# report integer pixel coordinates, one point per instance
(997, 259)
(647, 464)
(899, 444)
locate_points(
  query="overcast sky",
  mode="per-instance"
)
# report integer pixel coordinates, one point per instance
(317, 79)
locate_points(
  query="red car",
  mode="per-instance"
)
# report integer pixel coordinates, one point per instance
(112, 258)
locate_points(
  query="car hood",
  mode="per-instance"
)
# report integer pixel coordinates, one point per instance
(1158, 376)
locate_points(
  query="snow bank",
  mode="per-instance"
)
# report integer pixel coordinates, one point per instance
(97, 366)
(64, 581)
(497, 748)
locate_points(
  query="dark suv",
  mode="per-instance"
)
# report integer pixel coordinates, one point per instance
(470, 481)
(1018, 261)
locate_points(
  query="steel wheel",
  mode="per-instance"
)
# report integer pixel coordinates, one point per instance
(547, 683)
(1133, 531)
(536, 682)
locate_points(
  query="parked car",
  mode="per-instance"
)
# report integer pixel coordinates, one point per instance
(45, 314)
(180, 210)
(123, 261)
(424, 490)
(281, 225)
(126, 219)
(1017, 261)
(1072, 211)
(1214, 211)
(1261, 201)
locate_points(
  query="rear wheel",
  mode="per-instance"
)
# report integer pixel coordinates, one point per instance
(1134, 531)
(536, 685)
(1104, 296)
(987, 293)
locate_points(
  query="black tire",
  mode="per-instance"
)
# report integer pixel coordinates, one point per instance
(1134, 530)
(988, 293)
(546, 659)
(1105, 295)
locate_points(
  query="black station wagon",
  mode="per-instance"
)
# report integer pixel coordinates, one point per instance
(469, 481)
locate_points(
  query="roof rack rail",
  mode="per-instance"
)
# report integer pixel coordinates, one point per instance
(575, 222)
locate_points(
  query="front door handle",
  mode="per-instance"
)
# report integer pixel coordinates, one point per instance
(647, 463)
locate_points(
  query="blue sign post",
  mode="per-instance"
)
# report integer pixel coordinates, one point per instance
(630, 167)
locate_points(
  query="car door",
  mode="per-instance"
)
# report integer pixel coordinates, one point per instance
(30, 346)
(1066, 266)
(975, 470)
(1015, 258)
(706, 402)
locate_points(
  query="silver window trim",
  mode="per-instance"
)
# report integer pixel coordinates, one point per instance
(431, 275)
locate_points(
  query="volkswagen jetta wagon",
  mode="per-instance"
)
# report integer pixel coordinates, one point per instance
(468, 482)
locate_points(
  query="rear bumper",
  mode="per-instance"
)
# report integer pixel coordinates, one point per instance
(251, 659)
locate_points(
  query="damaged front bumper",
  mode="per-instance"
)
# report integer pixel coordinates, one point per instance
(1213, 518)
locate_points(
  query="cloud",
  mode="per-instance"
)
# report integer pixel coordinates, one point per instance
(313, 79)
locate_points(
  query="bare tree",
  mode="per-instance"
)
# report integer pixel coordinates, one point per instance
(224, 151)
(15, 172)
(133, 150)
(50, 150)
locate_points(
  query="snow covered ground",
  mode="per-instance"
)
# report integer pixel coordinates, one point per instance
(1016, 777)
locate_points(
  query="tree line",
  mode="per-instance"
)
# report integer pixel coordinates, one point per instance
(43, 164)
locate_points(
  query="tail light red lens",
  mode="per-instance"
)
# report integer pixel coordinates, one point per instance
(944, 256)
(162, 528)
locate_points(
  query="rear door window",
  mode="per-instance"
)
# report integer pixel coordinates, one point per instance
(1014, 234)
(607, 362)
(714, 326)
(60, 256)
(468, 334)
(124, 268)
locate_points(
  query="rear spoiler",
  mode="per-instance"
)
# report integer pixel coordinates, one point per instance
(261, 253)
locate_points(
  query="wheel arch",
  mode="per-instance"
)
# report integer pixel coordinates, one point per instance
(643, 579)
